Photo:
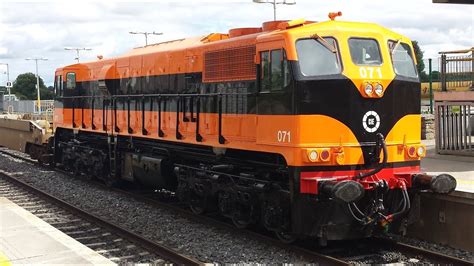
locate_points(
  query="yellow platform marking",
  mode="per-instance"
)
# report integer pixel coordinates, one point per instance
(4, 261)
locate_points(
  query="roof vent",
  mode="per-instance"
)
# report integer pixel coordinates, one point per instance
(294, 23)
(271, 25)
(243, 31)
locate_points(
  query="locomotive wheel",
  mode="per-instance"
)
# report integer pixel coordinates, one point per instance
(111, 181)
(286, 237)
(197, 204)
(239, 221)
(224, 203)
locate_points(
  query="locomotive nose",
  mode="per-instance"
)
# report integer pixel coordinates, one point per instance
(442, 183)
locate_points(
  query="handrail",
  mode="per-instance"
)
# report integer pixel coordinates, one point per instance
(156, 95)
(162, 98)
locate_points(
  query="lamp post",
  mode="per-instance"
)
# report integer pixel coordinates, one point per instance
(146, 34)
(8, 78)
(77, 50)
(275, 3)
(37, 79)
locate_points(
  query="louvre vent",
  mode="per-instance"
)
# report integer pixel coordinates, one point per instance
(229, 65)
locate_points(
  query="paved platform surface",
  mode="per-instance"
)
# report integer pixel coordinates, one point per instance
(26, 239)
(461, 167)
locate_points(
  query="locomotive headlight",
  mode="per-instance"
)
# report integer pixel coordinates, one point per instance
(313, 155)
(421, 151)
(378, 89)
(369, 89)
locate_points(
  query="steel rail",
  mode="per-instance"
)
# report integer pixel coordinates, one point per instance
(156, 248)
(434, 257)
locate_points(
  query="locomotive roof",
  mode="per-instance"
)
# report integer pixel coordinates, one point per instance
(219, 38)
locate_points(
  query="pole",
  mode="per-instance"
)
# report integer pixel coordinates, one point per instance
(8, 79)
(274, 10)
(431, 85)
(77, 49)
(146, 35)
(443, 73)
(38, 87)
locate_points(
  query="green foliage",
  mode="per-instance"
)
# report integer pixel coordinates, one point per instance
(25, 87)
(419, 59)
(435, 75)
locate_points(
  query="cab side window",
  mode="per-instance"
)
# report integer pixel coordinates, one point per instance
(71, 81)
(265, 76)
(277, 70)
(58, 85)
(275, 73)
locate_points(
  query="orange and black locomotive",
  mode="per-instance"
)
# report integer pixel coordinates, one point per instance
(310, 129)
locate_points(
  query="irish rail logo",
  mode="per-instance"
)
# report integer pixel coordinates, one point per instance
(371, 121)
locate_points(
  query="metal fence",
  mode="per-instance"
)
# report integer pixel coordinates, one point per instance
(30, 108)
(457, 69)
(454, 122)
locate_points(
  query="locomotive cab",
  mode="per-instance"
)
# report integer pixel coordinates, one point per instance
(357, 136)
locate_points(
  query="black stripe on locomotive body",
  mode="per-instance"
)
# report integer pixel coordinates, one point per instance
(242, 102)
(239, 96)
(337, 97)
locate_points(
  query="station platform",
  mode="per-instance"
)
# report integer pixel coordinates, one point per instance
(460, 167)
(26, 239)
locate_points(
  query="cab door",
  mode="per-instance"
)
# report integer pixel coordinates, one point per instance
(275, 95)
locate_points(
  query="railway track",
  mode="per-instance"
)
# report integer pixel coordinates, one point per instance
(433, 257)
(323, 256)
(383, 250)
(82, 222)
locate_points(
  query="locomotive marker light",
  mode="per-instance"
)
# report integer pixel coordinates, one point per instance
(420, 151)
(313, 155)
(325, 155)
(274, 3)
(415, 151)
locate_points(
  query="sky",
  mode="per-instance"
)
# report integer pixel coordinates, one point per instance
(45, 28)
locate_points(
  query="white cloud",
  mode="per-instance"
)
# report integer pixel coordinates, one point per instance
(35, 28)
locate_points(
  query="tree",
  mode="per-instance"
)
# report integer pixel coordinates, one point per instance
(420, 63)
(435, 75)
(25, 87)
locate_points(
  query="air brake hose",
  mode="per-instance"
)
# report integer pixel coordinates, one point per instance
(380, 141)
(406, 205)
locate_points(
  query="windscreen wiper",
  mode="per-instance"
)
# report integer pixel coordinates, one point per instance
(325, 43)
(395, 46)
